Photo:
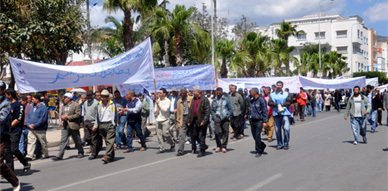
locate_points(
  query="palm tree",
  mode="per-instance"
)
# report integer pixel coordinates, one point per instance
(313, 65)
(225, 49)
(255, 46)
(286, 30)
(162, 29)
(337, 63)
(180, 21)
(127, 6)
(304, 63)
(200, 44)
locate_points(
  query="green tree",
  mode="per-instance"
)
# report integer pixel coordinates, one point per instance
(225, 50)
(128, 6)
(304, 63)
(313, 65)
(109, 40)
(162, 29)
(254, 45)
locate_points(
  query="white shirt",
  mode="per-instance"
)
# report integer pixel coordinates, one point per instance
(172, 104)
(164, 112)
(357, 106)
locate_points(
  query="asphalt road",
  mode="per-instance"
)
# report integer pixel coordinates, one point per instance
(321, 157)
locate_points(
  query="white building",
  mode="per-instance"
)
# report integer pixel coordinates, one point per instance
(382, 57)
(347, 36)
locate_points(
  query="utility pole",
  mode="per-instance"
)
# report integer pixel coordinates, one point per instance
(215, 18)
(89, 51)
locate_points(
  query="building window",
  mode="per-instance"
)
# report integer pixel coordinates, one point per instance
(301, 36)
(320, 35)
(358, 33)
(342, 34)
(342, 49)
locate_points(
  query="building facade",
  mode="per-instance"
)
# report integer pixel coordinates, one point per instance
(348, 36)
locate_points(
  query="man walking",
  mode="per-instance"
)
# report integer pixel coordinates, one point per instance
(162, 111)
(379, 102)
(372, 116)
(5, 141)
(173, 109)
(145, 113)
(121, 103)
(199, 120)
(17, 122)
(37, 124)
(258, 119)
(301, 99)
(90, 118)
(357, 111)
(337, 99)
(283, 100)
(133, 110)
(238, 106)
(221, 112)
(270, 124)
(106, 123)
(184, 106)
(71, 123)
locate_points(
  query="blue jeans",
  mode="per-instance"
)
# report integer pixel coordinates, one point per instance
(22, 138)
(372, 119)
(356, 122)
(313, 108)
(137, 127)
(319, 107)
(120, 135)
(282, 122)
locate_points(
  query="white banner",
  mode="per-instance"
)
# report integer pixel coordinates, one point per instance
(175, 77)
(316, 83)
(292, 83)
(383, 88)
(135, 66)
(372, 81)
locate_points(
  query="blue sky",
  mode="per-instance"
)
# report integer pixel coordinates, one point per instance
(265, 12)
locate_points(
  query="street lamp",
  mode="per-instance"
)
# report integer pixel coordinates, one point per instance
(319, 30)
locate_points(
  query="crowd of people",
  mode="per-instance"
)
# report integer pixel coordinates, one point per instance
(181, 117)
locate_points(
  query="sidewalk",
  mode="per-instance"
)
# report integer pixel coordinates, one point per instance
(53, 134)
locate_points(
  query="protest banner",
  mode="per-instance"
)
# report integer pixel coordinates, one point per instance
(372, 81)
(175, 77)
(292, 83)
(316, 83)
(135, 66)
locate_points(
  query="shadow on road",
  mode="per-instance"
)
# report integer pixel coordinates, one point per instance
(24, 186)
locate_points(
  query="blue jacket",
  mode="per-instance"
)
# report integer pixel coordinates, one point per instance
(38, 117)
(226, 108)
(283, 98)
(258, 109)
(5, 115)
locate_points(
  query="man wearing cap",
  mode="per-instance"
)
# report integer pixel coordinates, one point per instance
(17, 121)
(133, 110)
(90, 118)
(121, 103)
(5, 129)
(282, 99)
(173, 110)
(106, 123)
(258, 119)
(37, 124)
(71, 123)
(221, 112)
(184, 105)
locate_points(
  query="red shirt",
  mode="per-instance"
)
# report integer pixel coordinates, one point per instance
(196, 106)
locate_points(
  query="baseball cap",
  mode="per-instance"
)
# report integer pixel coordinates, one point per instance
(69, 95)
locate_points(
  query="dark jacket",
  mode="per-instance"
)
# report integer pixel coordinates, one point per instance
(337, 96)
(203, 111)
(377, 101)
(5, 115)
(74, 115)
(38, 117)
(258, 109)
(226, 108)
(18, 114)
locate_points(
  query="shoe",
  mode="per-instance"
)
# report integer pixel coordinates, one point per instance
(143, 148)
(286, 147)
(91, 157)
(180, 153)
(27, 168)
(364, 139)
(89, 151)
(258, 155)
(201, 154)
(217, 150)
(17, 188)
(160, 151)
(57, 158)
(67, 147)
(105, 160)
(28, 159)
(355, 143)
(80, 156)
(187, 143)
(278, 148)
(172, 148)
(128, 151)
(241, 136)
(224, 150)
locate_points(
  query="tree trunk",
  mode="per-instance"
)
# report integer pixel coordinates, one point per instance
(224, 70)
(251, 71)
(178, 48)
(166, 57)
(260, 73)
(127, 31)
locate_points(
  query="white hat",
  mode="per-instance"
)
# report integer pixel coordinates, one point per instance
(104, 93)
(69, 95)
